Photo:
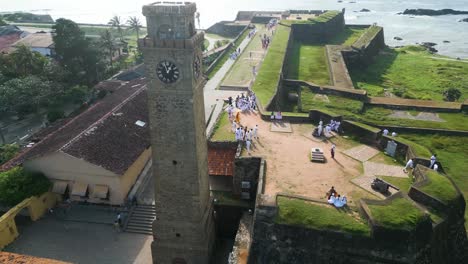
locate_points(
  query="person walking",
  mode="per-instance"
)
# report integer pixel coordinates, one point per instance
(255, 132)
(409, 165)
(333, 151)
(247, 145)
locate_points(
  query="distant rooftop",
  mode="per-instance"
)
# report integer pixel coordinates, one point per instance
(37, 40)
(164, 3)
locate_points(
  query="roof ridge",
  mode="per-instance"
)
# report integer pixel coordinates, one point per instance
(103, 118)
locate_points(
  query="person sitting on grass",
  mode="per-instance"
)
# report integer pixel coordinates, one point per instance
(340, 201)
(332, 199)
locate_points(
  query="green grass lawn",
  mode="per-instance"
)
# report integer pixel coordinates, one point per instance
(410, 72)
(325, 17)
(310, 215)
(452, 153)
(439, 187)
(399, 214)
(268, 76)
(222, 130)
(308, 62)
(226, 198)
(225, 56)
(241, 72)
(335, 102)
(404, 184)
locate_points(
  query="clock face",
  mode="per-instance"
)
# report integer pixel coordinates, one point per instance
(167, 72)
(196, 67)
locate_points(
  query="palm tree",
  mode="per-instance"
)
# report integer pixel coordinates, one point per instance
(108, 42)
(115, 23)
(134, 25)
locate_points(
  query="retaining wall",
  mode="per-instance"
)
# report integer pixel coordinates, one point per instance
(319, 32)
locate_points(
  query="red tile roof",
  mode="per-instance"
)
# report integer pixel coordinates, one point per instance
(106, 135)
(11, 258)
(85, 134)
(221, 161)
(7, 41)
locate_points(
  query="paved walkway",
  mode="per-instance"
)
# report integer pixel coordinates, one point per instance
(81, 243)
(362, 152)
(380, 169)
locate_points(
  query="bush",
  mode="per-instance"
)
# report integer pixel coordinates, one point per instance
(452, 94)
(55, 114)
(18, 184)
(7, 152)
(77, 94)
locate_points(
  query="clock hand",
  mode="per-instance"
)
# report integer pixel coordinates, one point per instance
(166, 68)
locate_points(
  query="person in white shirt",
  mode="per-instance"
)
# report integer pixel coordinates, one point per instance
(409, 165)
(255, 132)
(394, 134)
(385, 132)
(247, 145)
(436, 167)
(433, 161)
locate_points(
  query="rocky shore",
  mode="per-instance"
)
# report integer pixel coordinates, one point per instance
(431, 12)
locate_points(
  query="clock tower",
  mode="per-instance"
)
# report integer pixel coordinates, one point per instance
(183, 230)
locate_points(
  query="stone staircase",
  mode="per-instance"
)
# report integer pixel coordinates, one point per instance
(141, 220)
(316, 155)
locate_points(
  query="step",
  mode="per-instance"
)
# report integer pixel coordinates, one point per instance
(144, 210)
(143, 213)
(146, 206)
(137, 225)
(142, 216)
(139, 228)
(139, 232)
(133, 220)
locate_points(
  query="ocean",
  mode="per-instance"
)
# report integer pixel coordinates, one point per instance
(383, 12)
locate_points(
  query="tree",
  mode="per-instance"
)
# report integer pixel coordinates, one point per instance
(78, 56)
(18, 184)
(7, 152)
(27, 62)
(25, 95)
(2, 23)
(452, 94)
(115, 23)
(134, 25)
(108, 42)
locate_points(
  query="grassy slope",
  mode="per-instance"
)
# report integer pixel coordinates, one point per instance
(301, 213)
(397, 71)
(399, 214)
(308, 61)
(220, 62)
(403, 183)
(268, 76)
(440, 187)
(452, 153)
(336, 102)
(222, 130)
(325, 17)
(241, 71)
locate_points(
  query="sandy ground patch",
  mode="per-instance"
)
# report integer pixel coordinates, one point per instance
(289, 169)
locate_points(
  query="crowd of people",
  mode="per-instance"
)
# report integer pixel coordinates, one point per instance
(336, 199)
(235, 54)
(242, 103)
(332, 126)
